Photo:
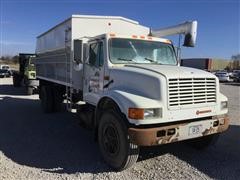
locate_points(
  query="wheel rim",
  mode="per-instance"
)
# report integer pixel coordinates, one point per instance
(111, 141)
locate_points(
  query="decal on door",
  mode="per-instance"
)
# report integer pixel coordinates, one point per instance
(94, 83)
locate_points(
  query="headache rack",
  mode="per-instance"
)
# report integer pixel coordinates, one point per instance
(191, 91)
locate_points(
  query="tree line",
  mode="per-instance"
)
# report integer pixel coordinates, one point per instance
(236, 57)
(13, 59)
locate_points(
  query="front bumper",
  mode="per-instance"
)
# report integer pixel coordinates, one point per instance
(177, 132)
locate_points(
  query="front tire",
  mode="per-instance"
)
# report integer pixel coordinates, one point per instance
(114, 143)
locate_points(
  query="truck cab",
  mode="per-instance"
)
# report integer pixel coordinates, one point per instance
(26, 76)
(29, 69)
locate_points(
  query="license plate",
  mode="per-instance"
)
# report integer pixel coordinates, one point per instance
(195, 130)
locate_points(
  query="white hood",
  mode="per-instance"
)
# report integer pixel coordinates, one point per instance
(174, 71)
(136, 78)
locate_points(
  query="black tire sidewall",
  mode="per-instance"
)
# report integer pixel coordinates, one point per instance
(57, 100)
(46, 99)
(118, 161)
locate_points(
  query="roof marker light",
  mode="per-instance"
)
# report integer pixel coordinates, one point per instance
(168, 41)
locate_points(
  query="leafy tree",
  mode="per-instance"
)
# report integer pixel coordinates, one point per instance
(10, 59)
(236, 57)
(236, 61)
(15, 59)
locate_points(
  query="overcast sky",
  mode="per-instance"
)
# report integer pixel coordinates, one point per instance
(218, 21)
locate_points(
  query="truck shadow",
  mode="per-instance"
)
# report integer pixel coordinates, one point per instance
(52, 142)
(8, 89)
(56, 143)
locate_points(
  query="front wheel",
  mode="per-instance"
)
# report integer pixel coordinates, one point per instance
(115, 146)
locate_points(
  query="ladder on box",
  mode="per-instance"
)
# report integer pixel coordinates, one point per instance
(69, 102)
(69, 90)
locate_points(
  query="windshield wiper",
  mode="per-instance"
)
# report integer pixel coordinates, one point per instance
(151, 60)
(124, 59)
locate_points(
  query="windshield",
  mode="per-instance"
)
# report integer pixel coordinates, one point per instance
(132, 51)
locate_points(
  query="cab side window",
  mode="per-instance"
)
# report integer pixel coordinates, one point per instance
(96, 54)
(93, 50)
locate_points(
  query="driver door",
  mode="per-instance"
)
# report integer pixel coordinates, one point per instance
(94, 73)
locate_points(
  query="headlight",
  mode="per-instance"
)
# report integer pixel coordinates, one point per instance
(148, 113)
(137, 113)
(224, 104)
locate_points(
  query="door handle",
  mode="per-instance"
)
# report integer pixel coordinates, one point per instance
(106, 85)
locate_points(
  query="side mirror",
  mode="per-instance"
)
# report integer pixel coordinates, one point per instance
(191, 34)
(189, 41)
(78, 51)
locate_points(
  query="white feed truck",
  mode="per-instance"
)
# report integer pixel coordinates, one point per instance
(125, 82)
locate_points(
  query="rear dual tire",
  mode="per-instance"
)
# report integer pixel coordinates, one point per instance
(46, 99)
(51, 99)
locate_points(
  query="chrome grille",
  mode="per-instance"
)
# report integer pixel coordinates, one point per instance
(189, 91)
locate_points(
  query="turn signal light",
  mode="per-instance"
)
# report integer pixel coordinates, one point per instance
(136, 113)
(112, 34)
(168, 41)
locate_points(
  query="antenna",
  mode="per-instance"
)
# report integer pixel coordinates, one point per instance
(150, 32)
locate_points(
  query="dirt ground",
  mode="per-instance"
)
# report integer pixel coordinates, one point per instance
(34, 145)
